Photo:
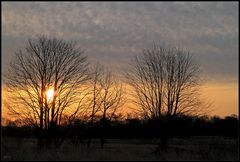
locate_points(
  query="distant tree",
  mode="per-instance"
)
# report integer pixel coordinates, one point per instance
(45, 82)
(96, 74)
(112, 95)
(107, 97)
(111, 98)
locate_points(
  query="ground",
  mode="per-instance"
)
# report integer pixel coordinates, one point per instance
(193, 148)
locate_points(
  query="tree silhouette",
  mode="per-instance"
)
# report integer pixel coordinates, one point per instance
(96, 73)
(47, 63)
(112, 98)
(165, 83)
(107, 97)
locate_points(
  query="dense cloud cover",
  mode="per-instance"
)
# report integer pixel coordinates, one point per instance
(113, 32)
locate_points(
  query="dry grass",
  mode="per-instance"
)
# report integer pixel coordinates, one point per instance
(195, 148)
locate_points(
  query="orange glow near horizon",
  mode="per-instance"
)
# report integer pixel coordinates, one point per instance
(224, 99)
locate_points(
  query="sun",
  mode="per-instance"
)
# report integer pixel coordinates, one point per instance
(50, 94)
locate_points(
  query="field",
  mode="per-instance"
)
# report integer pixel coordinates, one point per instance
(194, 148)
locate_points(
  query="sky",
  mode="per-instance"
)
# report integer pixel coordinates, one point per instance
(114, 32)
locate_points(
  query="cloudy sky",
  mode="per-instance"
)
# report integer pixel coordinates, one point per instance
(113, 32)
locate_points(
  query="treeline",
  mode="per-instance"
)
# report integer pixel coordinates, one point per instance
(179, 125)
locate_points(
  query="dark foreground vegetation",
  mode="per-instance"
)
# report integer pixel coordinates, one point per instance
(180, 125)
(180, 138)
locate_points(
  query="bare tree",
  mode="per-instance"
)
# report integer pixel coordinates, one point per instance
(111, 99)
(45, 81)
(165, 81)
(112, 95)
(107, 97)
(96, 73)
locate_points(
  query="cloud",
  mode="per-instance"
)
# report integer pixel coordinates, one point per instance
(113, 32)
